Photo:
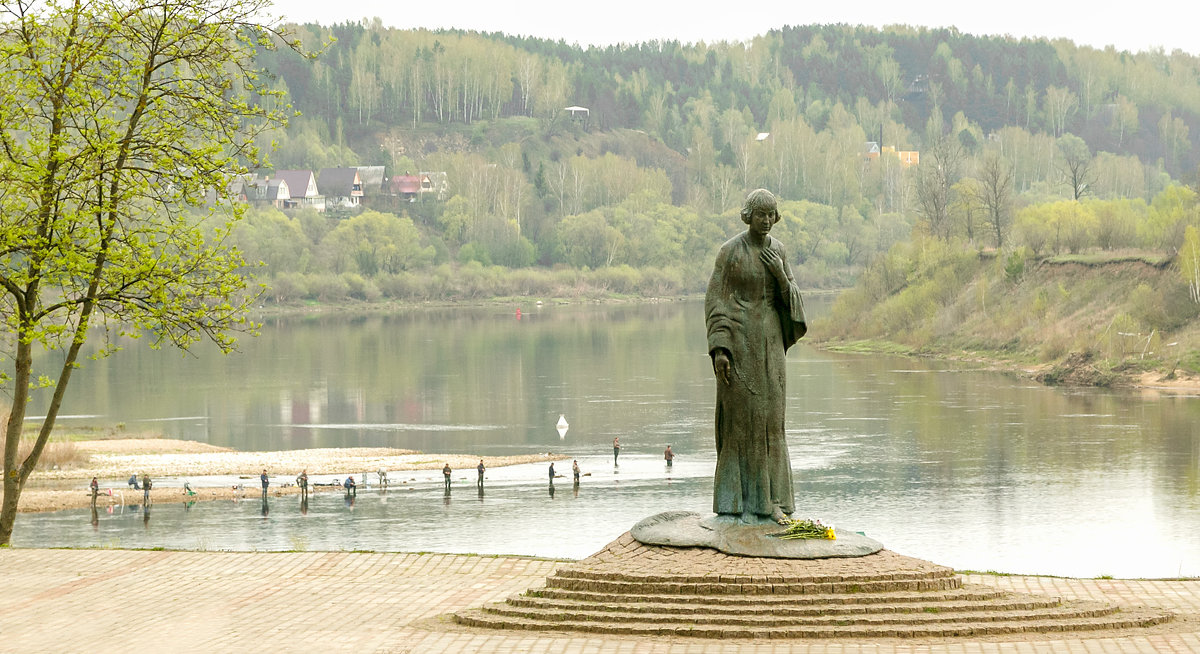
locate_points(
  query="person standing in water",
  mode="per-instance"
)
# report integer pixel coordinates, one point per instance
(302, 482)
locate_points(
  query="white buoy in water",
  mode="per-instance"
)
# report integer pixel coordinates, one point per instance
(562, 426)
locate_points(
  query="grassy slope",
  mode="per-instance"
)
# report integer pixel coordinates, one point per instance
(1092, 320)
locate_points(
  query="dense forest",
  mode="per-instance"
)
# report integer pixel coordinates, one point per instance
(1032, 147)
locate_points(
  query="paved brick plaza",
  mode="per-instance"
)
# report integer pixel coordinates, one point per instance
(139, 601)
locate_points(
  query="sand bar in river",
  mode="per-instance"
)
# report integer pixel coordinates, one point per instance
(113, 460)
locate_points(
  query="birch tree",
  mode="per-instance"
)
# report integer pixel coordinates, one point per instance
(1189, 262)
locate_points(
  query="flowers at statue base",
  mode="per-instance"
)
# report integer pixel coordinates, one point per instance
(808, 529)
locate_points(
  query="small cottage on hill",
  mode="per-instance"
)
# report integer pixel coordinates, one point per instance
(268, 192)
(405, 186)
(302, 189)
(372, 180)
(342, 187)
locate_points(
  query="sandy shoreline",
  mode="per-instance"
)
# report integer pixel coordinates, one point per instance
(112, 461)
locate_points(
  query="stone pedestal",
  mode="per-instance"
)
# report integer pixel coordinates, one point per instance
(731, 535)
(636, 589)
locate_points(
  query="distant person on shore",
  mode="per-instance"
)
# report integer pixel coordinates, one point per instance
(145, 489)
(133, 482)
(480, 468)
(266, 481)
(669, 456)
(575, 470)
(351, 487)
(446, 474)
(616, 448)
(95, 486)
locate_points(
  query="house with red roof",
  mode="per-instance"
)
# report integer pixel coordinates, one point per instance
(406, 186)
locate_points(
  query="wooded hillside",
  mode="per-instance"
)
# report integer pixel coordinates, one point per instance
(1032, 144)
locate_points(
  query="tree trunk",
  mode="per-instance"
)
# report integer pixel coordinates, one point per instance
(15, 476)
(8, 510)
(14, 480)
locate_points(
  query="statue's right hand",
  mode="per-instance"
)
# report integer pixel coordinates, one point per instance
(721, 366)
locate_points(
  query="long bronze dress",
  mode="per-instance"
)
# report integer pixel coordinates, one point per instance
(749, 315)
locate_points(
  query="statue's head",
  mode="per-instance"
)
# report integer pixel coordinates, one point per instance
(760, 198)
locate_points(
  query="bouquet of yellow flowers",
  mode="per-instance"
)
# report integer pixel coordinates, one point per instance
(808, 529)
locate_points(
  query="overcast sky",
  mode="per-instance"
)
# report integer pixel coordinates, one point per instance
(1129, 25)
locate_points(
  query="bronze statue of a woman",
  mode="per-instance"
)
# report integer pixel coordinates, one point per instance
(754, 314)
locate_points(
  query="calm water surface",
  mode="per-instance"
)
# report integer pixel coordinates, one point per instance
(967, 468)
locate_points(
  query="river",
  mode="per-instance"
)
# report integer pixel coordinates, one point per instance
(965, 467)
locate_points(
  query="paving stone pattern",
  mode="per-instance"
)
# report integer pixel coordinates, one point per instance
(100, 601)
(637, 589)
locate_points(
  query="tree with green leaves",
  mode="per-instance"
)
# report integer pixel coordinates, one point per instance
(1171, 211)
(588, 240)
(119, 118)
(374, 242)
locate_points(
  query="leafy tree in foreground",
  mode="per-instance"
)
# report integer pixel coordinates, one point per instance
(118, 117)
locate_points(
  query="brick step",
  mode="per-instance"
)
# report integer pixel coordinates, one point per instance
(968, 593)
(766, 620)
(604, 575)
(928, 605)
(1127, 619)
(719, 588)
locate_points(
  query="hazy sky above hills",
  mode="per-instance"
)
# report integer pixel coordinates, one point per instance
(1134, 26)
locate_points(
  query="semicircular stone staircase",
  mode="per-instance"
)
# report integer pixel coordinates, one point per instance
(636, 589)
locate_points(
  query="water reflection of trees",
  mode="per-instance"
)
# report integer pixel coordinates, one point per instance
(930, 420)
